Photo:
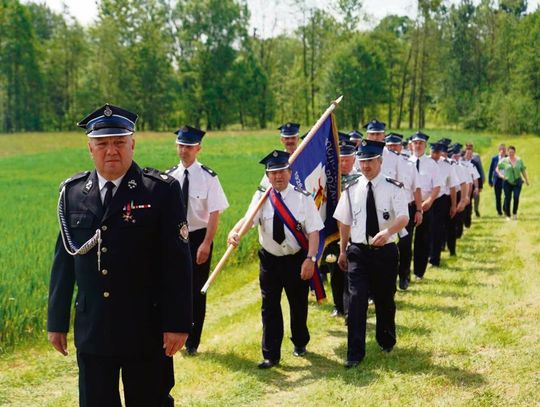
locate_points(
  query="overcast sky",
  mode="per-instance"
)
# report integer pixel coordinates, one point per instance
(271, 17)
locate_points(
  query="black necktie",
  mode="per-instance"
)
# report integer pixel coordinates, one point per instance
(278, 228)
(109, 186)
(185, 188)
(418, 164)
(372, 223)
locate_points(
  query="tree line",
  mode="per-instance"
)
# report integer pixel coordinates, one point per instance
(469, 65)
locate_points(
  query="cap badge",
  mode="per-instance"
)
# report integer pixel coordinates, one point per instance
(108, 112)
(288, 125)
(275, 154)
(132, 184)
(364, 143)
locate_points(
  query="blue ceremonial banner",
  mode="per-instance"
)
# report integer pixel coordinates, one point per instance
(316, 169)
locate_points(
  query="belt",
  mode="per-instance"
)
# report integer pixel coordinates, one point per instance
(370, 247)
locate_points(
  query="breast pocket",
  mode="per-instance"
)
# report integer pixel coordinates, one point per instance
(80, 220)
(198, 197)
(267, 218)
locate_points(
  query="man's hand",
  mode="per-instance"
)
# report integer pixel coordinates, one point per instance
(342, 262)
(173, 342)
(453, 211)
(58, 341)
(308, 268)
(381, 238)
(233, 238)
(460, 207)
(418, 218)
(203, 252)
(426, 205)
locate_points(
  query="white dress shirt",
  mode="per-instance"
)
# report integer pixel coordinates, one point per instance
(448, 176)
(205, 194)
(408, 176)
(390, 202)
(429, 175)
(303, 209)
(102, 181)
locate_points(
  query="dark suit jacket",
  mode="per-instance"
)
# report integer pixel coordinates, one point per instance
(143, 286)
(492, 175)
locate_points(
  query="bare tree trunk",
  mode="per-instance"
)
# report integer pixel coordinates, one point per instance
(412, 98)
(403, 85)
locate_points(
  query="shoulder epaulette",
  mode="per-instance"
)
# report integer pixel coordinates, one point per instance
(209, 170)
(261, 188)
(395, 152)
(171, 169)
(157, 175)
(350, 184)
(395, 182)
(73, 178)
(302, 191)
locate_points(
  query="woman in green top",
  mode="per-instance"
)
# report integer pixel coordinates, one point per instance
(510, 169)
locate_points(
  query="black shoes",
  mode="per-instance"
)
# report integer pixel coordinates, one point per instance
(403, 284)
(387, 350)
(267, 364)
(351, 363)
(299, 351)
(191, 351)
(335, 313)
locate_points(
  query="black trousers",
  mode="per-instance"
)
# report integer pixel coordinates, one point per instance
(422, 243)
(338, 280)
(200, 275)
(278, 273)
(405, 246)
(467, 213)
(374, 271)
(498, 187)
(441, 214)
(510, 191)
(452, 228)
(147, 380)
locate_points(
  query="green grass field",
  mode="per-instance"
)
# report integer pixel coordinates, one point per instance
(468, 335)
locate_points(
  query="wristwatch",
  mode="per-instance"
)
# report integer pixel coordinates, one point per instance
(312, 258)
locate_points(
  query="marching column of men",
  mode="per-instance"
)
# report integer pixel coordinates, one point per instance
(139, 275)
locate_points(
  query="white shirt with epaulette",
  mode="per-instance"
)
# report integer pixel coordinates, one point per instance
(205, 194)
(429, 175)
(448, 176)
(471, 168)
(408, 176)
(390, 201)
(303, 208)
(462, 172)
(390, 163)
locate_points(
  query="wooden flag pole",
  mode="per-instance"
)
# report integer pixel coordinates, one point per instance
(249, 216)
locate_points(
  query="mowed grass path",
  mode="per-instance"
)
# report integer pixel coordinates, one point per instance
(468, 335)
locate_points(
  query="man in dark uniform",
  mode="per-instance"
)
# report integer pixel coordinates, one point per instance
(286, 262)
(124, 241)
(371, 212)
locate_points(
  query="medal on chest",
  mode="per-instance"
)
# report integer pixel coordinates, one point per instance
(128, 214)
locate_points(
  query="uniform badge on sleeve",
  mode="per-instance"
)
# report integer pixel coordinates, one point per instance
(183, 232)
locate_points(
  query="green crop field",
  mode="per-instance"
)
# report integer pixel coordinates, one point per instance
(468, 335)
